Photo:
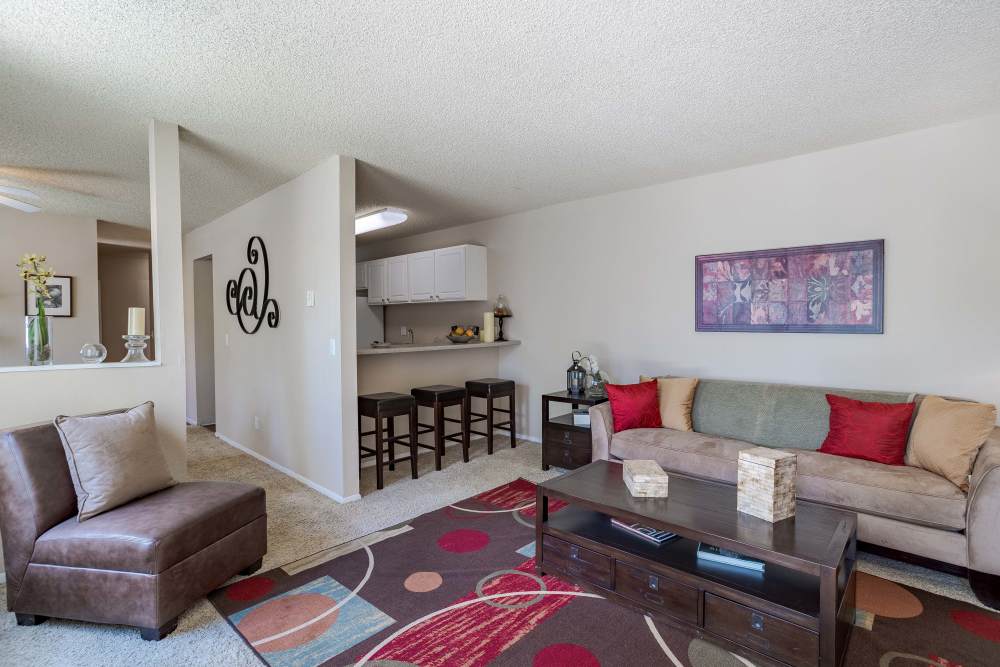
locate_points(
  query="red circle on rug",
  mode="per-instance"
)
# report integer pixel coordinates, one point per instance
(565, 655)
(250, 589)
(978, 623)
(306, 615)
(463, 540)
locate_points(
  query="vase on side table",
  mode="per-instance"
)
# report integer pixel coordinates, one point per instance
(38, 338)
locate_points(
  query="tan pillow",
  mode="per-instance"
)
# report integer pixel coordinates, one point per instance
(113, 458)
(676, 396)
(947, 435)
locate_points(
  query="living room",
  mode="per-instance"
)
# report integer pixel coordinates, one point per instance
(739, 227)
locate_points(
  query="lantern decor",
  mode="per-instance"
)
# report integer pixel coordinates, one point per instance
(576, 376)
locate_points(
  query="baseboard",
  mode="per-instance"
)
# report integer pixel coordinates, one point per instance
(291, 473)
(3, 578)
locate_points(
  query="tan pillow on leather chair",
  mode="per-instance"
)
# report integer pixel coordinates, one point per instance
(676, 396)
(947, 435)
(113, 458)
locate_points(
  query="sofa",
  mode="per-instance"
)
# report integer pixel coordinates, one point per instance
(140, 564)
(902, 511)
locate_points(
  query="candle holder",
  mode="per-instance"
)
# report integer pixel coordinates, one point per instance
(135, 347)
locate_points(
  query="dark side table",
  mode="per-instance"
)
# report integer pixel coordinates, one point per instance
(564, 444)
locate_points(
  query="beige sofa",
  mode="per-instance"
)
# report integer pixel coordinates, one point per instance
(902, 511)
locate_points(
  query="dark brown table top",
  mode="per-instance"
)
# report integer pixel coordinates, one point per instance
(706, 511)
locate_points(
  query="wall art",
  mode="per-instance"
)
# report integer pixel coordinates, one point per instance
(247, 296)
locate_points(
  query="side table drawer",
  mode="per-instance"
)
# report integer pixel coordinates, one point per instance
(564, 437)
(656, 592)
(575, 561)
(568, 457)
(762, 632)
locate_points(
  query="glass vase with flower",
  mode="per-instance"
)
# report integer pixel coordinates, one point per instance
(37, 327)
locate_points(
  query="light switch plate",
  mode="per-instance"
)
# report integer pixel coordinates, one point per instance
(333, 347)
(310, 298)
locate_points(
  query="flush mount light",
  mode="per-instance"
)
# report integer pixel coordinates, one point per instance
(17, 203)
(386, 217)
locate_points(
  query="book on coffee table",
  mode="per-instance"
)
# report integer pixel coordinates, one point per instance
(727, 557)
(645, 532)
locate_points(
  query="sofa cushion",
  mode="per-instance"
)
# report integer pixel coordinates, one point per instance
(947, 436)
(868, 430)
(151, 534)
(634, 406)
(686, 452)
(897, 492)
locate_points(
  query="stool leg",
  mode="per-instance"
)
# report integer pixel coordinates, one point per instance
(467, 423)
(464, 407)
(489, 425)
(413, 442)
(513, 422)
(391, 422)
(438, 434)
(379, 482)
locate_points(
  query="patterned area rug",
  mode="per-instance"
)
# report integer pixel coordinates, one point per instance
(457, 587)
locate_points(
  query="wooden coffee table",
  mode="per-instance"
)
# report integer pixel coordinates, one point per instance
(799, 611)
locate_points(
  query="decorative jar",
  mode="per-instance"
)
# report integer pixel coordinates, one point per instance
(38, 340)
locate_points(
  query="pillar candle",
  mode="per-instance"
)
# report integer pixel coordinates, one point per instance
(136, 321)
(488, 331)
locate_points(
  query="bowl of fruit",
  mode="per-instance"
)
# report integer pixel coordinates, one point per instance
(460, 334)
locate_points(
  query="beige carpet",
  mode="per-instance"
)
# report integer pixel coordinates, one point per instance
(301, 522)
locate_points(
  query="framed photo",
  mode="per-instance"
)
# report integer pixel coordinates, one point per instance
(59, 303)
(834, 288)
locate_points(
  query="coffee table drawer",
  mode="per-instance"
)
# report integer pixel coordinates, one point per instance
(762, 632)
(656, 592)
(575, 561)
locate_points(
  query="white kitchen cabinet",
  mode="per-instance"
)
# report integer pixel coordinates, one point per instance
(361, 275)
(457, 273)
(421, 269)
(377, 281)
(398, 290)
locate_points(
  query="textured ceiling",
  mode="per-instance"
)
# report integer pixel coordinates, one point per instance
(462, 111)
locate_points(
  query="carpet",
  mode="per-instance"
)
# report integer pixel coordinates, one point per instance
(457, 586)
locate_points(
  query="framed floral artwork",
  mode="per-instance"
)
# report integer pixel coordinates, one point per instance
(833, 288)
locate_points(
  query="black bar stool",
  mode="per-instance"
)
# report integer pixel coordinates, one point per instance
(491, 389)
(387, 405)
(438, 397)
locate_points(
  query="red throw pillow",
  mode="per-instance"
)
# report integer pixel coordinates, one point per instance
(870, 431)
(634, 406)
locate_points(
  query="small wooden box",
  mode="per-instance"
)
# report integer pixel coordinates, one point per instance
(645, 479)
(766, 487)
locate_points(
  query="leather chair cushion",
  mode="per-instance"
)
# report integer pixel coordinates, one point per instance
(151, 534)
(490, 387)
(904, 493)
(438, 392)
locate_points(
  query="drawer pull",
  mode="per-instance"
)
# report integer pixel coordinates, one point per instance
(655, 599)
(757, 622)
(567, 438)
(654, 583)
(567, 457)
(574, 552)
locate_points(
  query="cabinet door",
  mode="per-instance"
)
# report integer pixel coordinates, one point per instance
(449, 273)
(376, 282)
(421, 269)
(398, 290)
(361, 275)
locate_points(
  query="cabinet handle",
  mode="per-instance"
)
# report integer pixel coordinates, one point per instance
(757, 622)
(566, 457)
(567, 438)
(655, 599)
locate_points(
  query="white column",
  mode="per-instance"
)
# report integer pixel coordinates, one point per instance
(348, 333)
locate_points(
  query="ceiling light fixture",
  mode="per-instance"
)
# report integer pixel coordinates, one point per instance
(380, 219)
(17, 203)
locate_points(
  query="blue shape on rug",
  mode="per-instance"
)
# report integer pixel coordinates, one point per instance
(528, 550)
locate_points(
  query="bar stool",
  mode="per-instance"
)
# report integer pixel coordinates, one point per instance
(491, 389)
(387, 405)
(438, 397)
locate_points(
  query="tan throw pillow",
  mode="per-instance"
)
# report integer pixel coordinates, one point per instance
(676, 396)
(113, 458)
(947, 435)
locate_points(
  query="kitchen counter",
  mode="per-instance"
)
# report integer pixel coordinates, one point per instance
(434, 347)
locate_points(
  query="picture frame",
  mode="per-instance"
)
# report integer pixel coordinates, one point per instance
(60, 300)
(830, 288)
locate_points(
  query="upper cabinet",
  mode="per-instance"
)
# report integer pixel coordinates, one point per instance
(457, 273)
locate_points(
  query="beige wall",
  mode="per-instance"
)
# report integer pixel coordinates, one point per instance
(70, 244)
(304, 397)
(125, 281)
(614, 275)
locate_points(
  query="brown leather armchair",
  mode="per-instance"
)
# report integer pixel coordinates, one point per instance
(140, 564)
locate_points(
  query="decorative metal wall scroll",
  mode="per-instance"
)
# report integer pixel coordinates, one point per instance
(246, 298)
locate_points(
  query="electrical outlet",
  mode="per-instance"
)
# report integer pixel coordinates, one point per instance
(404, 331)
(333, 347)
(256, 423)
(310, 299)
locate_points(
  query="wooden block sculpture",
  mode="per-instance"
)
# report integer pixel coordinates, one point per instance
(766, 483)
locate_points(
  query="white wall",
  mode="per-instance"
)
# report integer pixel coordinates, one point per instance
(203, 293)
(614, 275)
(305, 398)
(70, 243)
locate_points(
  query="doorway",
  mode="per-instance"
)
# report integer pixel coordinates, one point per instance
(204, 341)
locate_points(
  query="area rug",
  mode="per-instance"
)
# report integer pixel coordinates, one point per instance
(457, 587)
